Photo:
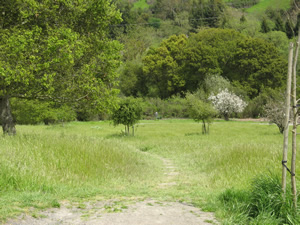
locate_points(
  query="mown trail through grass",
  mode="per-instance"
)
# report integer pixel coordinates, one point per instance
(45, 166)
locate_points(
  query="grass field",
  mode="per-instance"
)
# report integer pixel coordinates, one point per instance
(141, 4)
(43, 165)
(265, 4)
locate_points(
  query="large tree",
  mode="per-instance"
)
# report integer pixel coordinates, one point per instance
(162, 66)
(57, 50)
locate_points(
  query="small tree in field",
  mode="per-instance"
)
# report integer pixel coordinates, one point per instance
(227, 103)
(275, 112)
(128, 114)
(200, 111)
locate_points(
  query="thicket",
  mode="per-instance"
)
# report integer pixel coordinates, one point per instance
(36, 112)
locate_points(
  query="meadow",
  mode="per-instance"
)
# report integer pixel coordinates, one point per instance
(263, 5)
(44, 165)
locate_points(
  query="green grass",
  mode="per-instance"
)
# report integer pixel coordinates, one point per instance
(43, 165)
(265, 4)
(141, 4)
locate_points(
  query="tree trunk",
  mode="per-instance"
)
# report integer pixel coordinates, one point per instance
(8, 125)
(286, 120)
(226, 117)
(295, 117)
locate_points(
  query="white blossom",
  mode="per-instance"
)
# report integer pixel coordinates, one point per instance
(227, 103)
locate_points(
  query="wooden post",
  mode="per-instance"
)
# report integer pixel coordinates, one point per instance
(295, 120)
(286, 121)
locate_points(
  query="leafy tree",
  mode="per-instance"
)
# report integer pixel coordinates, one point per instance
(264, 27)
(128, 114)
(243, 19)
(214, 83)
(131, 78)
(162, 66)
(278, 39)
(279, 24)
(227, 103)
(289, 29)
(206, 13)
(209, 52)
(57, 50)
(200, 111)
(256, 65)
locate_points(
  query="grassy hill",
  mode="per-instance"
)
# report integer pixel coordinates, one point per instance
(265, 4)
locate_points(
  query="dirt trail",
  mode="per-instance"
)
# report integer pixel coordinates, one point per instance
(147, 212)
(120, 212)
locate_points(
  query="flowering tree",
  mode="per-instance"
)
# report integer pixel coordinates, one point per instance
(227, 103)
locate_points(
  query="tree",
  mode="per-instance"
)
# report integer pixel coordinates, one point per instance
(200, 111)
(227, 103)
(264, 27)
(256, 64)
(162, 66)
(289, 29)
(58, 51)
(275, 112)
(128, 114)
(206, 13)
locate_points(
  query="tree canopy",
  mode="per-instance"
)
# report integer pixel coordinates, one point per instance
(58, 50)
(181, 64)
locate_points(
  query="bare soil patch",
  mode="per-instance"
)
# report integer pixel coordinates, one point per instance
(146, 212)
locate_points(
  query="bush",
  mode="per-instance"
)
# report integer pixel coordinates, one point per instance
(200, 111)
(174, 107)
(128, 113)
(256, 107)
(35, 112)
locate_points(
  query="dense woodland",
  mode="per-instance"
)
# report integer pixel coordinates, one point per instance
(61, 60)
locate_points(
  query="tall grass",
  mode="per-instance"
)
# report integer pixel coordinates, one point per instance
(263, 203)
(54, 165)
(44, 164)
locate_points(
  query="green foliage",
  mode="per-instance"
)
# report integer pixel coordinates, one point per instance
(59, 50)
(200, 111)
(256, 107)
(128, 113)
(154, 22)
(131, 79)
(182, 64)
(257, 65)
(35, 112)
(141, 4)
(278, 39)
(162, 67)
(264, 27)
(206, 13)
(173, 107)
(261, 204)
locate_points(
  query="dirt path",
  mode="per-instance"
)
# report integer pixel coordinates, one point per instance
(123, 212)
(146, 212)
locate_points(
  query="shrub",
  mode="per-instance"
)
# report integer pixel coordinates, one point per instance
(128, 114)
(174, 107)
(35, 112)
(200, 111)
